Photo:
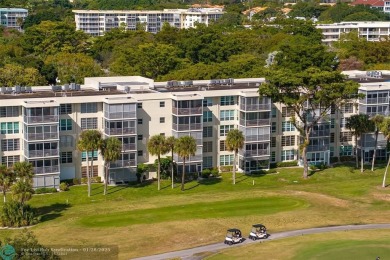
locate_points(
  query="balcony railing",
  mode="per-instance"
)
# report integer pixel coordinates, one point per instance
(41, 136)
(120, 115)
(317, 148)
(255, 107)
(123, 164)
(187, 111)
(40, 119)
(255, 153)
(320, 133)
(258, 138)
(381, 100)
(195, 158)
(41, 153)
(129, 147)
(120, 131)
(380, 144)
(46, 169)
(255, 122)
(186, 127)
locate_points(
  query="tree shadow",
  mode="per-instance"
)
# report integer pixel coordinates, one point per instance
(210, 181)
(113, 189)
(193, 187)
(47, 213)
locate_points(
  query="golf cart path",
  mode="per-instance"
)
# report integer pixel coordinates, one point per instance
(189, 254)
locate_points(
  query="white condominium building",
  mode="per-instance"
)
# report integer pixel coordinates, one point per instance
(371, 31)
(96, 22)
(12, 17)
(42, 125)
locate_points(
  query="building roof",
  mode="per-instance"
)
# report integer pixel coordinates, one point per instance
(13, 10)
(375, 3)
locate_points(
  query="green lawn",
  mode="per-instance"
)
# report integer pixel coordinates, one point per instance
(138, 219)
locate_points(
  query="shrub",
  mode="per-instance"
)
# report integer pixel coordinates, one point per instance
(272, 165)
(84, 180)
(226, 168)
(286, 164)
(334, 159)
(346, 158)
(96, 179)
(215, 172)
(64, 186)
(206, 173)
(16, 214)
(45, 190)
(76, 181)
(272, 171)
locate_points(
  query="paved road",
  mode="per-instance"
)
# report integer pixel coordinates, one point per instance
(190, 254)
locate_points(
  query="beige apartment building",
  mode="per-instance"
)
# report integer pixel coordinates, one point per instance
(42, 124)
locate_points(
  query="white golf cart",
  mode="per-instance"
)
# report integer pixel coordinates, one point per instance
(258, 231)
(233, 236)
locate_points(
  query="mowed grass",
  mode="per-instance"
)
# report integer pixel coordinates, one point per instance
(356, 245)
(142, 221)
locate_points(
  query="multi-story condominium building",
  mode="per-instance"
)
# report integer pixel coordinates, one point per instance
(371, 31)
(12, 17)
(96, 22)
(42, 125)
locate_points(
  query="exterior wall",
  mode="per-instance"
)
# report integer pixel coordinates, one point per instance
(9, 17)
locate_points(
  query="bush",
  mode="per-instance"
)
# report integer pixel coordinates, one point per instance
(272, 165)
(96, 179)
(334, 159)
(226, 168)
(76, 181)
(346, 158)
(215, 172)
(286, 164)
(206, 173)
(64, 186)
(45, 190)
(16, 214)
(272, 171)
(84, 180)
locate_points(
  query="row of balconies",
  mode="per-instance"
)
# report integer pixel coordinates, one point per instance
(46, 169)
(41, 136)
(41, 153)
(255, 107)
(120, 115)
(41, 119)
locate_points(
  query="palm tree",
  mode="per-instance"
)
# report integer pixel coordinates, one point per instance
(171, 141)
(385, 129)
(234, 143)
(111, 151)
(24, 171)
(377, 120)
(22, 191)
(157, 146)
(359, 125)
(90, 141)
(7, 178)
(185, 147)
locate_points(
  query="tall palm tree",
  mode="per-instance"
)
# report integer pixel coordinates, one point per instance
(234, 143)
(111, 151)
(385, 129)
(22, 191)
(157, 146)
(24, 171)
(377, 120)
(171, 141)
(185, 147)
(89, 141)
(359, 125)
(7, 178)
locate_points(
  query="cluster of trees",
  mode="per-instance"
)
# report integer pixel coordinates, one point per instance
(18, 178)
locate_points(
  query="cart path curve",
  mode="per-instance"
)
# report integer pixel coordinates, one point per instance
(190, 254)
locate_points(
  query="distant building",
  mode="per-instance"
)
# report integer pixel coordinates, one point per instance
(96, 22)
(381, 5)
(13, 17)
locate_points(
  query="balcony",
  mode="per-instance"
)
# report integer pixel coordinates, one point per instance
(120, 115)
(40, 119)
(46, 169)
(129, 147)
(187, 111)
(255, 122)
(41, 136)
(257, 138)
(123, 164)
(317, 148)
(120, 131)
(320, 133)
(195, 158)
(255, 153)
(41, 153)
(186, 127)
(381, 100)
(256, 107)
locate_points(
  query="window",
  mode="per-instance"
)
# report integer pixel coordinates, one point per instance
(65, 124)
(207, 102)
(207, 147)
(140, 153)
(140, 121)
(91, 156)
(226, 115)
(288, 155)
(343, 121)
(9, 111)
(139, 105)
(273, 141)
(225, 160)
(345, 137)
(227, 101)
(287, 112)
(332, 121)
(273, 156)
(163, 134)
(207, 116)
(66, 157)
(65, 109)
(88, 108)
(10, 160)
(89, 123)
(332, 137)
(333, 109)
(10, 144)
(222, 145)
(162, 120)
(287, 126)
(224, 129)
(9, 128)
(273, 112)
(273, 127)
(66, 141)
(331, 149)
(140, 137)
(288, 140)
(207, 162)
(346, 150)
(208, 131)
(347, 108)
(162, 103)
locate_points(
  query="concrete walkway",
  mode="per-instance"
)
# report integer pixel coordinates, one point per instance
(189, 254)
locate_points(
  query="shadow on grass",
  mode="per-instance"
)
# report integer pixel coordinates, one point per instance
(192, 187)
(51, 212)
(241, 178)
(210, 181)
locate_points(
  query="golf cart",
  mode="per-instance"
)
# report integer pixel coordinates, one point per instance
(233, 236)
(258, 231)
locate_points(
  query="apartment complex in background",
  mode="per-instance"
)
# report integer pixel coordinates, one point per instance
(96, 22)
(371, 31)
(380, 5)
(42, 124)
(12, 17)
